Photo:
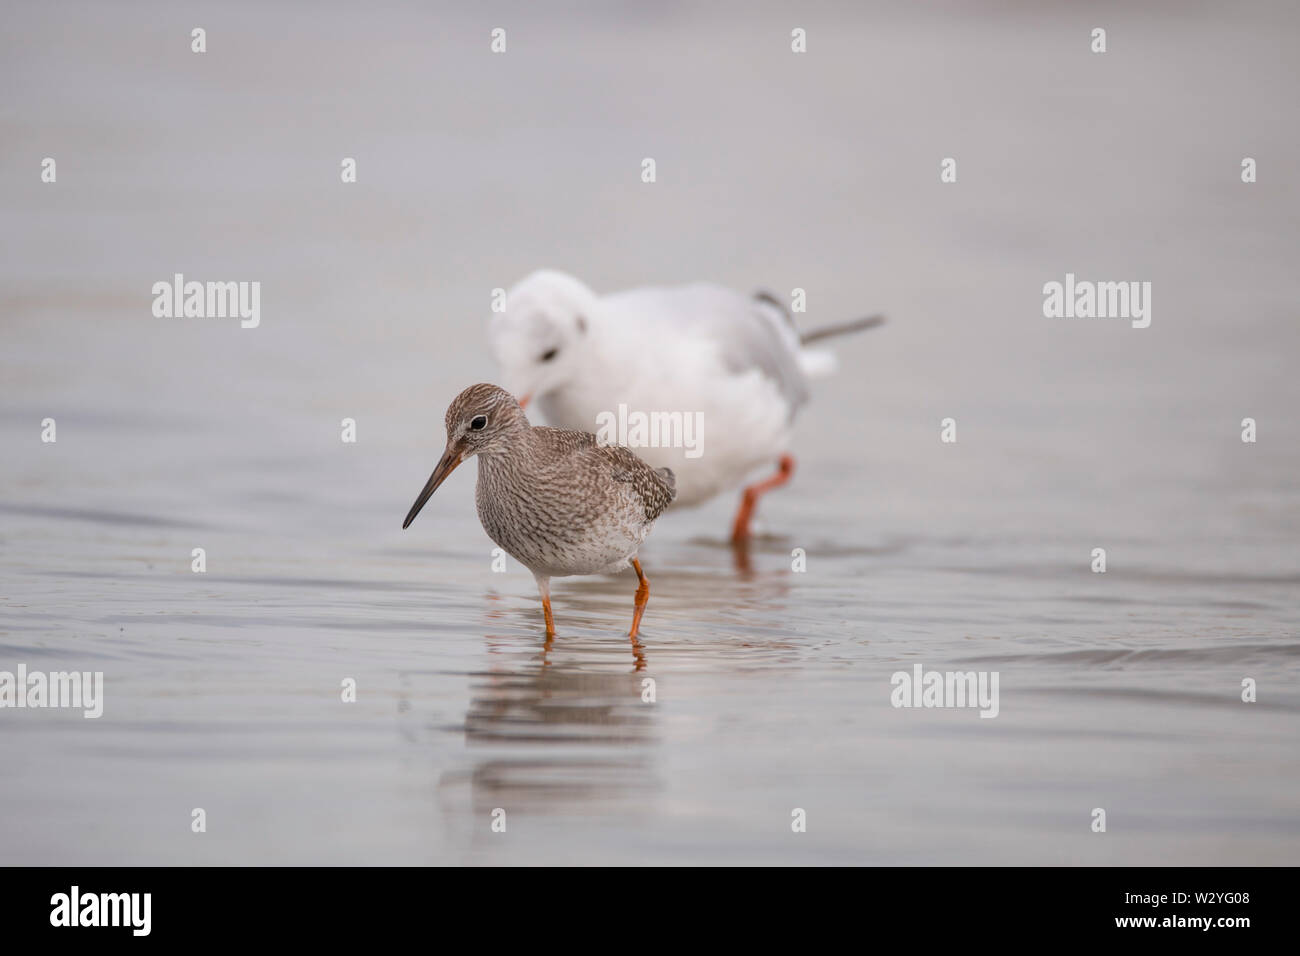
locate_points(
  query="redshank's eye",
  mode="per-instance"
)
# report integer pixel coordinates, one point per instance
(478, 422)
(550, 354)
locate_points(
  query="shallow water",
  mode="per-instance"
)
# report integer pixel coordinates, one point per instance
(772, 688)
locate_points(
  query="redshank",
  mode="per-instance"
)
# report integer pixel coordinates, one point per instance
(552, 498)
(736, 362)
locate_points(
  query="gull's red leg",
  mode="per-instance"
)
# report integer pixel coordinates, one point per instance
(749, 500)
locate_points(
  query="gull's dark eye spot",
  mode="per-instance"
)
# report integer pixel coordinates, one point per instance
(550, 354)
(478, 422)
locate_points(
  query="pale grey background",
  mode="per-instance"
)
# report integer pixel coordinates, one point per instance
(774, 170)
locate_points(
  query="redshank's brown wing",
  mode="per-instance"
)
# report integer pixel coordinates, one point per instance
(655, 488)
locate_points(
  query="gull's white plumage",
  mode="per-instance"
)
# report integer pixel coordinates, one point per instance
(704, 348)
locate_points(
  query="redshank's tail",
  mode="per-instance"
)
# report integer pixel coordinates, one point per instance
(669, 479)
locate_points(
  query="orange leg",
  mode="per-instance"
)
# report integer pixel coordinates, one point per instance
(642, 596)
(749, 500)
(544, 585)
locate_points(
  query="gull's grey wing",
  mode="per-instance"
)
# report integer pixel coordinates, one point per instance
(750, 333)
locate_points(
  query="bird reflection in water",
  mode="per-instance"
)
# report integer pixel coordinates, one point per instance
(554, 731)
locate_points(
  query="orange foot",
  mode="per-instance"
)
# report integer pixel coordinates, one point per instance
(749, 500)
(642, 596)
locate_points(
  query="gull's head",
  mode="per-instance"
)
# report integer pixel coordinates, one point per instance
(539, 338)
(482, 420)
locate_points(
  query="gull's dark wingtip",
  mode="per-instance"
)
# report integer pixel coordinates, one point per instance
(844, 328)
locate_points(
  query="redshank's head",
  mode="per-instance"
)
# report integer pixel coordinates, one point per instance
(482, 420)
(540, 337)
